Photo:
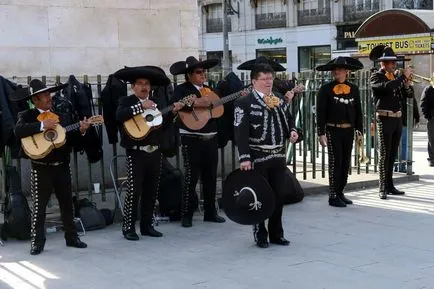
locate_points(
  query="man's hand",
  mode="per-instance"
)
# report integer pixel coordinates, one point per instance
(202, 102)
(407, 83)
(246, 166)
(147, 104)
(84, 125)
(49, 124)
(323, 140)
(408, 71)
(293, 137)
(289, 95)
(177, 106)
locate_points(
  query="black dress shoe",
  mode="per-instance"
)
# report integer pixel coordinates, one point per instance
(383, 195)
(150, 231)
(337, 202)
(131, 236)
(76, 243)
(262, 244)
(187, 222)
(37, 247)
(345, 199)
(280, 241)
(215, 218)
(395, 191)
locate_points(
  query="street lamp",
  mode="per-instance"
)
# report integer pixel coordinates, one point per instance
(228, 9)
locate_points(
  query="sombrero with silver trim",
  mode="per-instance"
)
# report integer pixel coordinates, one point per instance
(247, 197)
(155, 75)
(341, 62)
(251, 64)
(35, 87)
(182, 67)
(382, 53)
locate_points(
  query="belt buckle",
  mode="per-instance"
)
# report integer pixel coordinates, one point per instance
(149, 148)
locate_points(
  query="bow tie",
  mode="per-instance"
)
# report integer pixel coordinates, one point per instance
(390, 76)
(271, 101)
(204, 91)
(47, 115)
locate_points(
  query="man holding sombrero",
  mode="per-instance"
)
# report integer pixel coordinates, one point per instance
(262, 124)
(339, 115)
(199, 147)
(144, 155)
(389, 94)
(52, 171)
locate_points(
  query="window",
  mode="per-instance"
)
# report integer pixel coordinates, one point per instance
(356, 10)
(413, 4)
(311, 12)
(270, 14)
(275, 54)
(214, 18)
(218, 55)
(311, 56)
(345, 36)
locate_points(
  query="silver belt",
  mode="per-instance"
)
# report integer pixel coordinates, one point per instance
(268, 151)
(148, 148)
(55, 164)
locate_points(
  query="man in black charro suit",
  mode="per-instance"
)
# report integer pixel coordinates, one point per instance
(144, 158)
(52, 171)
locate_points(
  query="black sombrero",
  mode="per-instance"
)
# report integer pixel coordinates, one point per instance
(247, 197)
(183, 67)
(250, 64)
(154, 74)
(382, 53)
(341, 62)
(35, 87)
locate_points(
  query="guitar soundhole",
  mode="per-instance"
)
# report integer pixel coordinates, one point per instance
(50, 135)
(149, 117)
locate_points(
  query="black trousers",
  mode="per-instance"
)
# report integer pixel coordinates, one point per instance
(144, 172)
(43, 180)
(430, 131)
(389, 136)
(200, 160)
(273, 171)
(339, 147)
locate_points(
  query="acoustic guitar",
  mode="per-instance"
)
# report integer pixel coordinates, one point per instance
(41, 144)
(198, 117)
(139, 126)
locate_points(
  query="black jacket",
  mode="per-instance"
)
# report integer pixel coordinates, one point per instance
(130, 106)
(388, 94)
(416, 115)
(427, 102)
(257, 124)
(338, 108)
(183, 90)
(28, 125)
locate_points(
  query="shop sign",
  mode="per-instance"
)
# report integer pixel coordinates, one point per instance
(270, 40)
(399, 45)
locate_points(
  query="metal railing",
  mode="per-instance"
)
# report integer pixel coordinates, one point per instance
(313, 16)
(307, 159)
(270, 20)
(353, 12)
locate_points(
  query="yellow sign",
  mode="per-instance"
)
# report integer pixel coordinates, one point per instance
(399, 45)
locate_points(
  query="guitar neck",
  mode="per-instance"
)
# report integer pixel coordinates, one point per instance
(227, 98)
(72, 126)
(166, 109)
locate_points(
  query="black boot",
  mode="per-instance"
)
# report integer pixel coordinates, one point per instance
(149, 231)
(336, 201)
(187, 221)
(280, 241)
(76, 243)
(383, 195)
(345, 199)
(36, 247)
(131, 236)
(213, 217)
(394, 191)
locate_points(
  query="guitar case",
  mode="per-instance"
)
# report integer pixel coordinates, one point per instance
(17, 214)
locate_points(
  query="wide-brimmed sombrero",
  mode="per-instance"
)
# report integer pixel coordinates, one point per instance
(382, 53)
(250, 64)
(247, 197)
(183, 67)
(341, 62)
(154, 74)
(35, 87)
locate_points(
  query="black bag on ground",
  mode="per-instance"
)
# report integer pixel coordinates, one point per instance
(17, 214)
(171, 186)
(90, 216)
(294, 193)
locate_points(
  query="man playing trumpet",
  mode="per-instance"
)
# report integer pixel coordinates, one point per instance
(339, 113)
(389, 95)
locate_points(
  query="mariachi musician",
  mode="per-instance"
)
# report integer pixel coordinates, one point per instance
(199, 147)
(51, 172)
(389, 94)
(339, 114)
(143, 155)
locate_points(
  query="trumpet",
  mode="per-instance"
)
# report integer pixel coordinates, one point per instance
(416, 78)
(360, 140)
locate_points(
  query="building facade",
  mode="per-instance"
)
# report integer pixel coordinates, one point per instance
(299, 34)
(92, 37)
